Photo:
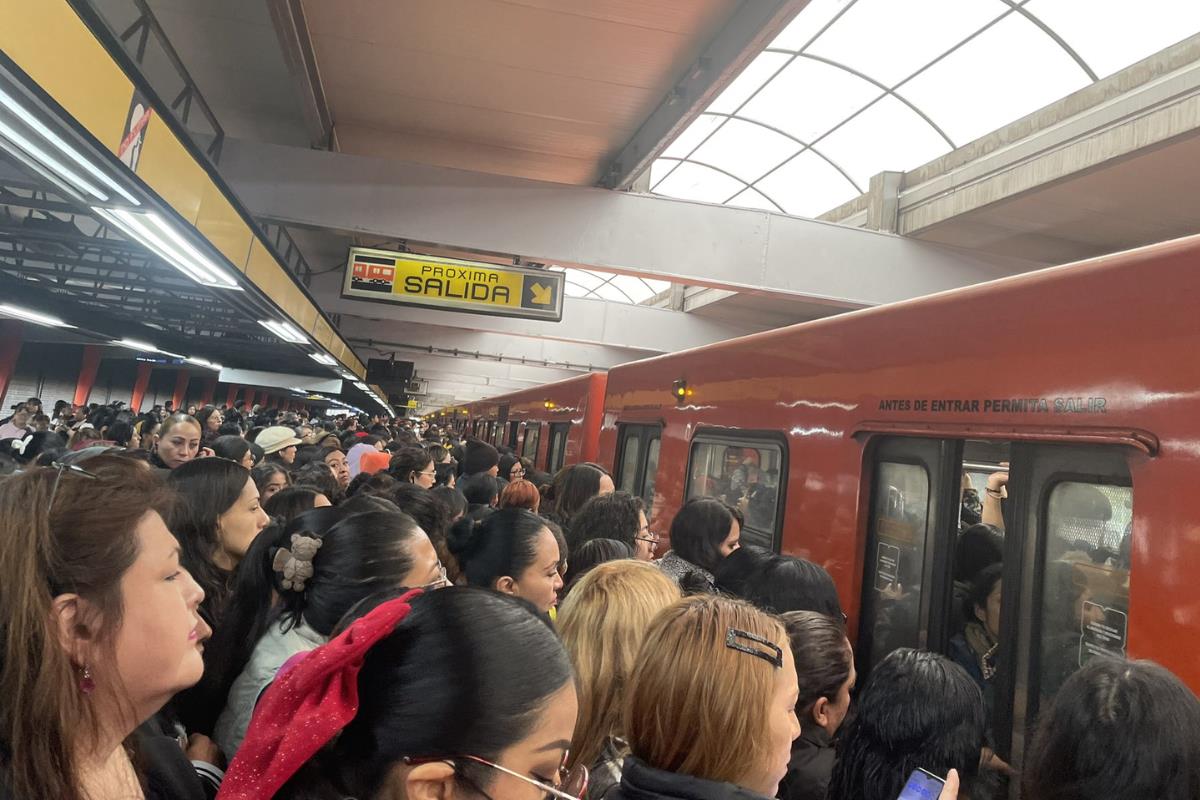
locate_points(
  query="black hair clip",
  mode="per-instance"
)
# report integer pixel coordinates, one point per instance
(774, 657)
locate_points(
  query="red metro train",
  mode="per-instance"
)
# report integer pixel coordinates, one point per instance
(852, 441)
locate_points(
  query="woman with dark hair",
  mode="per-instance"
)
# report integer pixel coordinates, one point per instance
(317, 476)
(573, 486)
(211, 419)
(825, 669)
(1117, 730)
(233, 448)
(976, 648)
(482, 492)
(741, 568)
(404, 670)
(178, 442)
(217, 517)
(917, 709)
(413, 465)
(616, 515)
(318, 579)
(370, 483)
(511, 551)
(121, 433)
(99, 628)
(703, 533)
(270, 478)
(445, 474)
(287, 504)
(788, 583)
(592, 554)
(432, 514)
(511, 468)
(453, 499)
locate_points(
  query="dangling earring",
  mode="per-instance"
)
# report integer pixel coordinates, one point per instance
(86, 684)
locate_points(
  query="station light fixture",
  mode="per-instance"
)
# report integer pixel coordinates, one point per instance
(548, 404)
(323, 358)
(169, 244)
(36, 317)
(53, 156)
(200, 362)
(136, 344)
(362, 387)
(284, 330)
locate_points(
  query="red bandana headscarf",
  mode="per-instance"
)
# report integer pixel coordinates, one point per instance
(306, 707)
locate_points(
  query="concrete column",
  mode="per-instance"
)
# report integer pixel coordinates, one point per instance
(231, 397)
(883, 202)
(206, 394)
(140, 385)
(180, 395)
(92, 354)
(10, 348)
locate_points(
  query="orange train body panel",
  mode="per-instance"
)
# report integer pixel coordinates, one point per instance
(1101, 351)
(578, 401)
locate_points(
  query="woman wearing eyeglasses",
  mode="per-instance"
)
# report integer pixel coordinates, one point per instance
(618, 515)
(413, 465)
(511, 468)
(457, 693)
(318, 575)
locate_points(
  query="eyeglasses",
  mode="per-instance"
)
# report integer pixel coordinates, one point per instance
(442, 582)
(650, 538)
(61, 468)
(428, 472)
(573, 782)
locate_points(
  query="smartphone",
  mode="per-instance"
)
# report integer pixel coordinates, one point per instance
(922, 785)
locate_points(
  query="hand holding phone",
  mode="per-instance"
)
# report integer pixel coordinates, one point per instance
(923, 785)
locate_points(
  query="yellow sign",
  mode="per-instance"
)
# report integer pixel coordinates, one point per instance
(411, 404)
(452, 284)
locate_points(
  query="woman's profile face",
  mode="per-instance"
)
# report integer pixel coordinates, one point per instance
(783, 729)
(541, 582)
(241, 522)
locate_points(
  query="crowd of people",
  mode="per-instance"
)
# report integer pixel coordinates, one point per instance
(249, 603)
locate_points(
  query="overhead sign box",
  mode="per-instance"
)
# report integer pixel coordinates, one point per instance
(453, 285)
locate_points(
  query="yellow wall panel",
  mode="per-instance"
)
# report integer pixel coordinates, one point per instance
(171, 171)
(265, 272)
(48, 40)
(220, 223)
(323, 333)
(307, 316)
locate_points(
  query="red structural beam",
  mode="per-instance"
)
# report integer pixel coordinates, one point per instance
(92, 354)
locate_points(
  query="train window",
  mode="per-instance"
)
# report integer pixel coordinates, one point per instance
(558, 446)
(637, 461)
(896, 556)
(533, 432)
(1085, 583)
(650, 470)
(745, 474)
(512, 434)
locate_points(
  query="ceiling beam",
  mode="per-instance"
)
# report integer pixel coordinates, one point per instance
(640, 330)
(656, 237)
(750, 28)
(291, 28)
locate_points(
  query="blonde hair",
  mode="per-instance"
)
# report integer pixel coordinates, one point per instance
(602, 622)
(696, 706)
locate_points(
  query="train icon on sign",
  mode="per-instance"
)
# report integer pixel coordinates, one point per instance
(373, 275)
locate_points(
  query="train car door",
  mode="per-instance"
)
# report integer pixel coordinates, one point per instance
(556, 454)
(913, 517)
(637, 460)
(1065, 580)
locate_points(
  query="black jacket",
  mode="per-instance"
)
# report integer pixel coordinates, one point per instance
(811, 765)
(641, 782)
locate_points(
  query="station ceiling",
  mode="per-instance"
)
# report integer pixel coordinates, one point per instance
(791, 106)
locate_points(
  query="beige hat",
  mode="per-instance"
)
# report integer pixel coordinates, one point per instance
(275, 438)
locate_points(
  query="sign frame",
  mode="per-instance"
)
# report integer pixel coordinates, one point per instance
(439, 266)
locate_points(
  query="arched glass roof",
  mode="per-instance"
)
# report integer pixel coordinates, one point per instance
(610, 286)
(855, 87)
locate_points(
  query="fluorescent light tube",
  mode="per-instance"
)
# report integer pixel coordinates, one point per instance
(323, 358)
(167, 243)
(200, 362)
(57, 143)
(362, 386)
(134, 344)
(284, 330)
(32, 316)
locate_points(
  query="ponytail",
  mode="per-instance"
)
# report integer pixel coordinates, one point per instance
(502, 544)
